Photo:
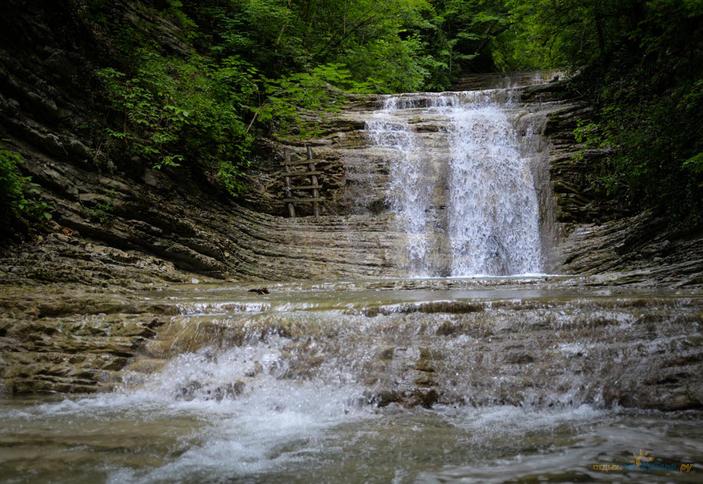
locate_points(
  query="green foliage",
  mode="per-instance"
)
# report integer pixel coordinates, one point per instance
(468, 32)
(281, 37)
(587, 134)
(292, 98)
(647, 82)
(695, 164)
(12, 187)
(275, 67)
(102, 213)
(176, 112)
(20, 206)
(389, 66)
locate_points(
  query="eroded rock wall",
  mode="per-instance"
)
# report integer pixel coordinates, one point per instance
(135, 227)
(117, 225)
(596, 236)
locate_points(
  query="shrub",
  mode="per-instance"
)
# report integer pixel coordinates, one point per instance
(20, 207)
(183, 113)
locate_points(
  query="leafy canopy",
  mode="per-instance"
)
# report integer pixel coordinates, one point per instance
(251, 68)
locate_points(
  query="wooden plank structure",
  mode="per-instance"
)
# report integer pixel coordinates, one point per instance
(314, 186)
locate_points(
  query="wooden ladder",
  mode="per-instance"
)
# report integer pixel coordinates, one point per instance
(315, 187)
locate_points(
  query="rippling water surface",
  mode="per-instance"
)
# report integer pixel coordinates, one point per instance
(289, 387)
(311, 433)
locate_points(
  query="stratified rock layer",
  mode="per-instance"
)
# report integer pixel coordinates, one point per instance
(542, 343)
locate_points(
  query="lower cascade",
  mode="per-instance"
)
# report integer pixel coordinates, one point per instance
(471, 187)
(413, 380)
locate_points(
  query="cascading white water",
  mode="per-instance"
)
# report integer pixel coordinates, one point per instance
(492, 211)
(409, 193)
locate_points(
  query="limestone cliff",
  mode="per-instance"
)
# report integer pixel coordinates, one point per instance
(113, 225)
(120, 229)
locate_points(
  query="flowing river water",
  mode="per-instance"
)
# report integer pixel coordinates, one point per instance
(423, 380)
(517, 378)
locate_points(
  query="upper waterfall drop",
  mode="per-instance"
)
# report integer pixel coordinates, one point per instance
(493, 208)
(461, 183)
(410, 191)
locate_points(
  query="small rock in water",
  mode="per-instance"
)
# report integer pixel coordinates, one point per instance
(425, 398)
(260, 290)
(195, 281)
(258, 368)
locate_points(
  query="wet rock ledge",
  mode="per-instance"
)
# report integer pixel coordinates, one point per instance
(532, 342)
(70, 340)
(633, 350)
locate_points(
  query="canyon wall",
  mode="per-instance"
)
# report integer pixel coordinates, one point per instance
(132, 228)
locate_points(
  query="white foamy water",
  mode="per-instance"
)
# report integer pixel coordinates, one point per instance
(492, 221)
(246, 415)
(410, 192)
(493, 209)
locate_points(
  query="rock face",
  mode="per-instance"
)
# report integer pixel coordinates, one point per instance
(69, 339)
(132, 228)
(192, 233)
(595, 235)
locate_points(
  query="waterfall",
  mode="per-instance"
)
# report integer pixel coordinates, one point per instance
(460, 154)
(410, 190)
(493, 209)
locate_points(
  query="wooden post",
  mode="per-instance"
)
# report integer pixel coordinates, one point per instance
(291, 207)
(315, 191)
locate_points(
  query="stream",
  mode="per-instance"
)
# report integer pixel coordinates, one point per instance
(408, 380)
